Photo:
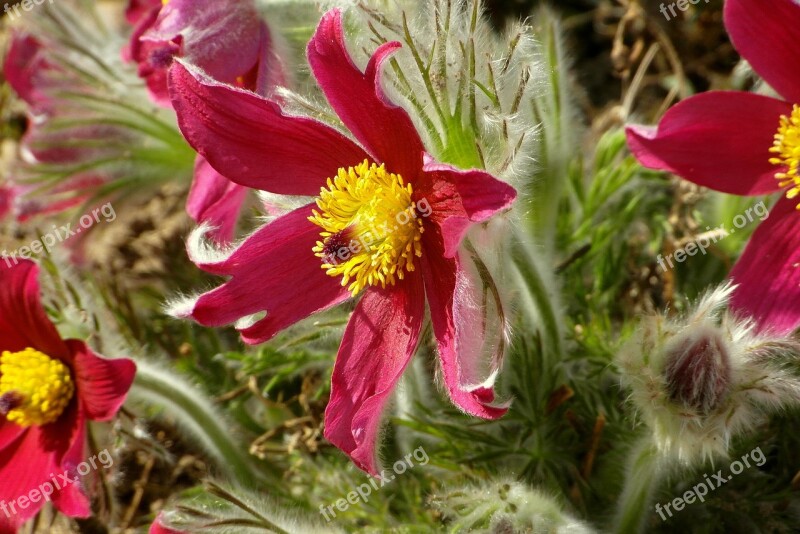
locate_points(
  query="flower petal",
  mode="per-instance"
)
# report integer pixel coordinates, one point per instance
(216, 200)
(273, 270)
(384, 129)
(250, 141)
(378, 343)
(458, 323)
(35, 457)
(460, 198)
(23, 321)
(768, 271)
(102, 384)
(763, 35)
(70, 432)
(21, 66)
(221, 38)
(719, 139)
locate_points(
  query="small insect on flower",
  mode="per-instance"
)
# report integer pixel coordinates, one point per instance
(402, 214)
(700, 380)
(49, 389)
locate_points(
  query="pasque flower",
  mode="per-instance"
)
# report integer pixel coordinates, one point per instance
(229, 41)
(386, 225)
(49, 389)
(747, 144)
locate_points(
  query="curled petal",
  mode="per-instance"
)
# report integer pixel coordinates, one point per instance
(719, 139)
(378, 343)
(458, 314)
(384, 129)
(102, 384)
(460, 198)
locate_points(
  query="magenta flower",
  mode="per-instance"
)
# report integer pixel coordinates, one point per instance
(49, 389)
(229, 41)
(746, 144)
(387, 225)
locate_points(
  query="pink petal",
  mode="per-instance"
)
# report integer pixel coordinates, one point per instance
(719, 139)
(358, 98)
(457, 314)
(763, 34)
(249, 140)
(460, 198)
(24, 466)
(71, 500)
(221, 38)
(102, 384)
(216, 200)
(22, 63)
(271, 72)
(768, 271)
(137, 9)
(23, 321)
(37, 455)
(274, 270)
(378, 343)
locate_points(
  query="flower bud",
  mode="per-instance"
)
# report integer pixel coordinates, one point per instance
(698, 371)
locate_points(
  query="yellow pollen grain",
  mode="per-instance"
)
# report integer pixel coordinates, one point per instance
(371, 231)
(786, 146)
(43, 385)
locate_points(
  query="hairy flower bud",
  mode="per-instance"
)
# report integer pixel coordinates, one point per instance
(701, 379)
(698, 371)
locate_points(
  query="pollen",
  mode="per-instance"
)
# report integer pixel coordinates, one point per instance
(35, 389)
(787, 149)
(371, 228)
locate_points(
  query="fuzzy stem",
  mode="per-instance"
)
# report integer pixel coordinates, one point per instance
(196, 416)
(542, 298)
(642, 478)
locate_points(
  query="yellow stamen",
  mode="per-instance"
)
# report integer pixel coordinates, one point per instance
(371, 228)
(35, 389)
(787, 148)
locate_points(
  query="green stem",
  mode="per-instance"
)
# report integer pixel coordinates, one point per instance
(643, 476)
(542, 297)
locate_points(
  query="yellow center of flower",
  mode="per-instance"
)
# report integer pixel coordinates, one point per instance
(371, 229)
(787, 148)
(35, 389)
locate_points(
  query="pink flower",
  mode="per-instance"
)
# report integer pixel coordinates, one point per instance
(226, 39)
(388, 223)
(49, 388)
(723, 140)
